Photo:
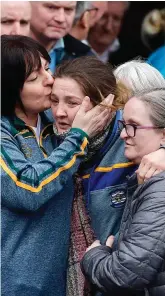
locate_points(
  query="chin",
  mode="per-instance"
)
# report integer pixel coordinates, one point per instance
(129, 155)
(54, 35)
(61, 131)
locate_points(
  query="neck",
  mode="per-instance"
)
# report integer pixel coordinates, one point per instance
(45, 42)
(29, 119)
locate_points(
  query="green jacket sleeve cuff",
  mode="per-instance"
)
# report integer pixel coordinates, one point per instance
(79, 131)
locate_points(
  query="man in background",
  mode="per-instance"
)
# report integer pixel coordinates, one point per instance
(103, 36)
(100, 8)
(15, 17)
(85, 12)
(50, 24)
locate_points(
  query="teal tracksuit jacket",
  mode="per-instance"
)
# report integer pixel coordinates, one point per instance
(37, 194)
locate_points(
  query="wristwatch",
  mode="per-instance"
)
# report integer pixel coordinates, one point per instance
(162, 146)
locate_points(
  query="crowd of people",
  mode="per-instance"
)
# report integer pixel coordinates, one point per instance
(82, 153)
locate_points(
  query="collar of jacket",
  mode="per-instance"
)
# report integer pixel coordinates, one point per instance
(74, 46)
(19, 124)
(132, 180)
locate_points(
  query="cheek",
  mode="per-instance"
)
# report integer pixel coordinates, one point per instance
(26, 29)
(72, 113)
(54, 109)
(32, 94)
(117, 30)
(147, 144)
(69, 21)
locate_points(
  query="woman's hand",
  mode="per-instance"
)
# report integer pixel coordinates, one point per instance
(93, 121)
(151, 165)
(110, 240)
(96, 243)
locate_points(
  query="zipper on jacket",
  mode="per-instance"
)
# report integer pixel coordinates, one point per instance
(40, 139)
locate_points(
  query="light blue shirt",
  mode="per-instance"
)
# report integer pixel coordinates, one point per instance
(56, 54)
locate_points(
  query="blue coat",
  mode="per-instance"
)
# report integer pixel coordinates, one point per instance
(157, 60)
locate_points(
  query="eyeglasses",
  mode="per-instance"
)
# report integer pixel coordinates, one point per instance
(131, 128)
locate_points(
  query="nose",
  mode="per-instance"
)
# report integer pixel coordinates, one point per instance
(60, 110)
(60, 16)
(49, 80)
(123, 134)
(16, 29)
(109, 24)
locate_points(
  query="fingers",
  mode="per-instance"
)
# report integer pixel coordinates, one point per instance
(149, 166)
(105, 105)
(108, 100)
(146, 173)
(105, 118)
(149, 173)
(85, 106)
(142, 171)
(101, 121)
(110, 241)
(157, 172)
(96, 243)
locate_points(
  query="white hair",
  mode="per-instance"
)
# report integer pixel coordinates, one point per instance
(138, 75)
(81, 7)
(147, 84)
(155, 101)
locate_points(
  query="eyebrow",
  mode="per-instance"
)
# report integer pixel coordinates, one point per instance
(7, 18)
(53, 96)
(133, 121)
(70, 5)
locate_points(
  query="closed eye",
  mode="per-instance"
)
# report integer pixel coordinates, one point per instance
(73, 103)
(32, 79)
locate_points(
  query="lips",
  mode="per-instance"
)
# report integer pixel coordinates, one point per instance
(127, 144)
(62, 124)
(57, 28)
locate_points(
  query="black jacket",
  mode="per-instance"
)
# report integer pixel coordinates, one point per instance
(74, 48)
(137, 266)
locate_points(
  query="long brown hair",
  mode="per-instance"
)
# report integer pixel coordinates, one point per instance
(95, 78)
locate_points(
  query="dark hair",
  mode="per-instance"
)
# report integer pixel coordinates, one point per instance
(95, 78)
(20, 55)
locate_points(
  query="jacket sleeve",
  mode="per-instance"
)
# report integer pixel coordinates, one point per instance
(140, 254)
(27, 185)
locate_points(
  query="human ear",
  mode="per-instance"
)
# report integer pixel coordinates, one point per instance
(85, 20)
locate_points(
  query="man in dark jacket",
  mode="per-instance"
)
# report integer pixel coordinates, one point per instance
(50, 24)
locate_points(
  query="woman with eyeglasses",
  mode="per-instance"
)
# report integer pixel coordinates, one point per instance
(100, 184)
(135, 265)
